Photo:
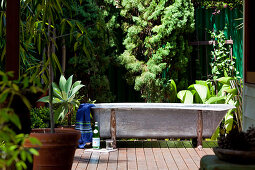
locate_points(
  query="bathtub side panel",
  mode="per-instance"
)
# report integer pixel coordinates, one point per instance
(155, 123)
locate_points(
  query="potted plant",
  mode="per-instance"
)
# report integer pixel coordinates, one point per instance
(237, 146)
(58, 144)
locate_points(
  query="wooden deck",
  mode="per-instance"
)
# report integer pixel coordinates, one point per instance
(143, 155)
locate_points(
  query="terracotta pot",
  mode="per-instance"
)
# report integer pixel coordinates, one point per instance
(57, 150)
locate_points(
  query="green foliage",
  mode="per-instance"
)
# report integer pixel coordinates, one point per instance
(90, 52)
(40, 117)
(64, 97)
(219, 4)
(204, 92)
(12, 151)
(222, 63)
(155, 44)
(185, 96)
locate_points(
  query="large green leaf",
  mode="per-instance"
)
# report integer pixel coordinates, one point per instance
(75, 90)
(231, 91)
(68, 85)
(173, 91)
(216, 134)
(201, 91)
(216, 100)
(61, 112)
(205, 83)
(56, 61)
(185, 96)
(229, 120)
(223, 90)
(62, 83)
(65, 97)
(57, 91)
(76, 84)
(45, 99)
(225, 80)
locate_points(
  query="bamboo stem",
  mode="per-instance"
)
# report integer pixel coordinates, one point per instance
(52, 123)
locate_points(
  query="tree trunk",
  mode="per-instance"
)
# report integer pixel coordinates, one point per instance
(12, 37)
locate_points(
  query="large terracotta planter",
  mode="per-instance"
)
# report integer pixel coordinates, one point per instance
(57, 150)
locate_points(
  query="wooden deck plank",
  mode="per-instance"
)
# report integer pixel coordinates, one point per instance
(150, 160)
(208, 150)
(94, 159)
(132, 164)
(192, 152)
(187, 158)
(176, 155)
(169, 159)
(140, 157)
(160, 161)
(113, 161)
(185, 155)
(77, 157)
(201, 153)
(122, 159)
(178, 159)
(194, 155)
(103, 161)
(83, 162)
(150, 155)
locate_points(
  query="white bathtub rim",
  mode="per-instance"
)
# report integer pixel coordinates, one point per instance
(206, 107)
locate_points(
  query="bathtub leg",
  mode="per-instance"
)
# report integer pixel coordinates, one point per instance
(199, 130)
(113, 127)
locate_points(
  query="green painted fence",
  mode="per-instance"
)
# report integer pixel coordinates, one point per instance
(205, 21)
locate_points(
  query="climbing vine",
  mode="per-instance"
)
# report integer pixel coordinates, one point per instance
(222, 61)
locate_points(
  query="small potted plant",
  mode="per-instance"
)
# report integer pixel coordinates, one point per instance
(237, 146)
(58, 144)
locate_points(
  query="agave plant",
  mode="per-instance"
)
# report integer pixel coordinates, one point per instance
(64, 97)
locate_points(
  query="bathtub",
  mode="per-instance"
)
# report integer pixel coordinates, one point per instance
(158, 120)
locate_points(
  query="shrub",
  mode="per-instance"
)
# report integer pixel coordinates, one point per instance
(40, 117)
(156, 46)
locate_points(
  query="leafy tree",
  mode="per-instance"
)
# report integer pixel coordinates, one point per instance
(76, 26)
(156, 46)
(89, 59)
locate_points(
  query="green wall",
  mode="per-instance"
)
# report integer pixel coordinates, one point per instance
(205, 21)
